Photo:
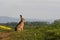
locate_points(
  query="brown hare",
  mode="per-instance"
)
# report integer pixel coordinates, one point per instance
(20, 25)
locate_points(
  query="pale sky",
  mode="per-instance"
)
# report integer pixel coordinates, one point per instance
(40, 9)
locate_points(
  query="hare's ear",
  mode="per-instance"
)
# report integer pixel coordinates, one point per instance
(21, 16)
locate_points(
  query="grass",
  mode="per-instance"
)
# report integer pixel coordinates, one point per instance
(40, 33)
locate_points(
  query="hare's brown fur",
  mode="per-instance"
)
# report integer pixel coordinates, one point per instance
(20, 25)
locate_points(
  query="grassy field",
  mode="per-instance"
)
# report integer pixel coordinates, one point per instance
(38, 31)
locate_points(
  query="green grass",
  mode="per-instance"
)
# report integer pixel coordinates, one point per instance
(40, 33)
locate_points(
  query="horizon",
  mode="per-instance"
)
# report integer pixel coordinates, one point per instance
(5, 19)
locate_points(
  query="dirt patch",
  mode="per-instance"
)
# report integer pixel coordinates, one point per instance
(4, 35)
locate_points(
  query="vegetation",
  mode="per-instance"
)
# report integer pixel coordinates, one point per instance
(33, 31)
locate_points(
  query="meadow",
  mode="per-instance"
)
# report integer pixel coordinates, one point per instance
(32, 31)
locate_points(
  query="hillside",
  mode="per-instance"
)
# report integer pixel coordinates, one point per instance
(4, 19)
(42, 33)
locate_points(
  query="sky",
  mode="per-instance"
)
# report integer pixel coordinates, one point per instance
(39, 9)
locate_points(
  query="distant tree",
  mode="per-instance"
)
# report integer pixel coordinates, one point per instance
(56, 23)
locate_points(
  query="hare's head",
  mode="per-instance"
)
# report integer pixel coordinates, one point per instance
(21, 16)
